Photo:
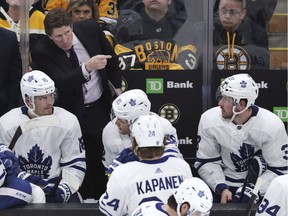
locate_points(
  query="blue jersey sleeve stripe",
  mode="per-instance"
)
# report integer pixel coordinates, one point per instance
(73, 161)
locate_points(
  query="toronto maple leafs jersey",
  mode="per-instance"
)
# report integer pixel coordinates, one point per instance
(140, 181)
(275, 201)
(225, 148)
(155, 54)
(114, 142)
(152, 208)
(53, 146)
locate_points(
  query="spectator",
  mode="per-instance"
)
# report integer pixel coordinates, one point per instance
(260, 11)
(153, 178)
(231, 134)
(192, 198)
(51, 148)
(11, 20)
(82, 88)
(116, 135)
(15, 191)
(161, 18)
(275, 201)
(11, 71)
(108, 11)
(136, 52)
(80, 10)
(239, 42)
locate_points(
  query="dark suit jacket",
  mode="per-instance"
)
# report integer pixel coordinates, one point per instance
(52, 60)
(10, 71)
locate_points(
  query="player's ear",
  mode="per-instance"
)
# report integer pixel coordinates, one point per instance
(28, 101)
(185, 209)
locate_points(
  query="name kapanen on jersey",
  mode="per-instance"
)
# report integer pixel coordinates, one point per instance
(158, 184)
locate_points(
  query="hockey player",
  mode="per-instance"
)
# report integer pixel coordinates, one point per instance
(192, 198)
(275, 201)
(153, 178)
(15, 191)
(230, 135)
(50, 148)
(116, 135)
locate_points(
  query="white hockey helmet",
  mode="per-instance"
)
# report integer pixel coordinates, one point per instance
(240, 86)
(195, 192)
(35, 83)
(131, 104)
(148, 131)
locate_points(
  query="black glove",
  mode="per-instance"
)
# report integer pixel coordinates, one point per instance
(246, 195)
(256, 167)
(60, 195)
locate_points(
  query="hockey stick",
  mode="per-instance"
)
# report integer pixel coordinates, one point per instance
(55, 186)
(244, 185)
(72, 181)
(113, 89)
(256, 189)
(42, 121)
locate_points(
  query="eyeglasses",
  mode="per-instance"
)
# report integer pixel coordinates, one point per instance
(231, 12)
(85, 12)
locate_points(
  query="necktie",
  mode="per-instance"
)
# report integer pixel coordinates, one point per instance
(73, 58)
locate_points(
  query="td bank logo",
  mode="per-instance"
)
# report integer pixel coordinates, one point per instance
(281, 112)
(154, 86)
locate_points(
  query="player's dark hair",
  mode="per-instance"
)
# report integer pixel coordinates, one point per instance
(56, 18)
(172, 203)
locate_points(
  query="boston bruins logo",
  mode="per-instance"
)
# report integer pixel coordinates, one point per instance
(237, 59)
(170, 111)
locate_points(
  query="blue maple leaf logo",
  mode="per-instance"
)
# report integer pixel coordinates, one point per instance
(30, 78)
(132, 102)
(201, 193)
(241, 161)
(243, 84)
(36, 164)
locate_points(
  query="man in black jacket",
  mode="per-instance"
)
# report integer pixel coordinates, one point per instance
(11, 71)
(82, 88)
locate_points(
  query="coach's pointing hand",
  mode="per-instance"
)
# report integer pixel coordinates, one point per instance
(97, 62)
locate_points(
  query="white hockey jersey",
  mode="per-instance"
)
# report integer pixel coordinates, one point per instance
(114, 142)
(225, 148)
(152, 208)
(275, 201)
(139, 181)
(49, 144)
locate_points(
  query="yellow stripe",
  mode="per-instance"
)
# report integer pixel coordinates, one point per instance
(278, 49)
(280, 14)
